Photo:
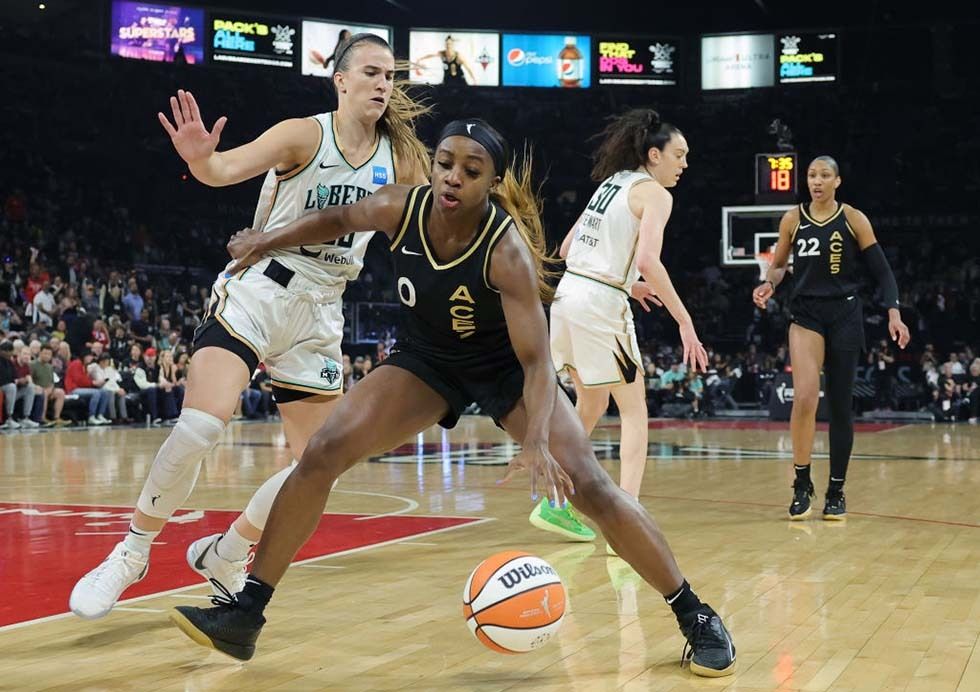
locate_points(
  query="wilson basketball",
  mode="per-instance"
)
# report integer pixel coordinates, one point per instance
(513, 602)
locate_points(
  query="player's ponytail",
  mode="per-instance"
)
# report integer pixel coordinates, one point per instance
(398, 121)
(627, 139)
(516, 194)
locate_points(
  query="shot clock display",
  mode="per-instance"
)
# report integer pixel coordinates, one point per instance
(775, 177)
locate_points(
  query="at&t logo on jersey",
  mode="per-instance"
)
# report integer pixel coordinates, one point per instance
(379, 175)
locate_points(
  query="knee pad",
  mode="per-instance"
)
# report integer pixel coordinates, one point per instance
(177, 464)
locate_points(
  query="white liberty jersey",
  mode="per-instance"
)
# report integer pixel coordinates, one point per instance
(604, 245)
(327, 180)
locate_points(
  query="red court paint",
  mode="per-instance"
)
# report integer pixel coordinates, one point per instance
(46, 548)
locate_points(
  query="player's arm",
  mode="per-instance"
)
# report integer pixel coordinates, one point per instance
(283, 146)
(780, 260)
(878, 264)
(652, 204)
(512, 272)
(381, 211)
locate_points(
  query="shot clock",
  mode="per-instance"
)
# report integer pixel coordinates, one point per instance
(775, 178)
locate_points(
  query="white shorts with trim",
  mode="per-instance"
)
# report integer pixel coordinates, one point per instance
(592, 332)
(295, 331)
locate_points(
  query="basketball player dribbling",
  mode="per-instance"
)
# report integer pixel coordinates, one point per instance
(469, 254)
(285, 311)
(827, 331)
(616, 240)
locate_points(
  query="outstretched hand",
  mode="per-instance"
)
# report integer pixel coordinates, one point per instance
(545, 473)
(695, 357)
(189, 136)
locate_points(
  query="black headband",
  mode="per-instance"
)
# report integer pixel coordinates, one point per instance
(356, 38)
(482, 135)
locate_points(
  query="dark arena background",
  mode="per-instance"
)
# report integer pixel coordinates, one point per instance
(109, 245)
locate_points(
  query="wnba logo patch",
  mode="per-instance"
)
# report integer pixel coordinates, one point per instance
(330, 371)
(380, 175)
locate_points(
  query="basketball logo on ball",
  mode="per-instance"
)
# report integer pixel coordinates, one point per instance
(513, 602)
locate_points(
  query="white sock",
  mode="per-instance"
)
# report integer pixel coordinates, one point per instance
(233, 546)
(139, 540)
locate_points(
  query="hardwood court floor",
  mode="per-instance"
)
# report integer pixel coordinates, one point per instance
(889, 600)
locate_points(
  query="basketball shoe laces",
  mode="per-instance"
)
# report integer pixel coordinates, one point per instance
(224, 600)
(706, 633)
(227, 598)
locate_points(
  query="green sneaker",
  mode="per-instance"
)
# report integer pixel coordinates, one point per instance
(564, 522)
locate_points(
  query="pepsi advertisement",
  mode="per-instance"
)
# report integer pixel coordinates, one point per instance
(807, 57)
(254, 40)
(160, 33)
(648, 61)
(546, 60)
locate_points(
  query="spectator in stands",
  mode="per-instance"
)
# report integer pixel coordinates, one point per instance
(133, 302)
(90, 299)
(9, 319)
(172, 392)
(8, 385)
(78, 383)
(27, 391)
(694, 387)
(118, 409)
(61, 359)
(43, 303)
(146, 376)
(141, 330)
(119, 345)
(348, 369)
(42, 371)
(61, 330)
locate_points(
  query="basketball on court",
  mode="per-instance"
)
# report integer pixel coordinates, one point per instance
(514, 602)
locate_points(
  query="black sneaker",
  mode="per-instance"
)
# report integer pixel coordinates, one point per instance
(709, 646)
(800, 508)
(834, 509)
(228, 627)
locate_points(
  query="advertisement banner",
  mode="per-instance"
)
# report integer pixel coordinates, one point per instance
(454, 57)
(320, 41)
(737, 62)
(807, 57)
(160, 33)
(253, 40)
(636, 60)
(547, 60)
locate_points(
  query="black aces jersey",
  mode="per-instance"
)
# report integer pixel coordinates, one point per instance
(825, 256)
(450, 313)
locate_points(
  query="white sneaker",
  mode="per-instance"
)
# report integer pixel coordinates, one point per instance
(93, 420)
(96, 592)
(103, 420)
(203, 558)
(28, 423)
(11, 424)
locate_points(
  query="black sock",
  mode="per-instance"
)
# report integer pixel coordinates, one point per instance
(256, 594)
(836, 487)
(683, 601)
(802, 473)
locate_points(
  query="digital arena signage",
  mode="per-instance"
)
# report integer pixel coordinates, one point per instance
(254, 40)
(648, 61)
(807, 57)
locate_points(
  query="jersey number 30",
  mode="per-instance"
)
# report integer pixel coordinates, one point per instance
(808, 247)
